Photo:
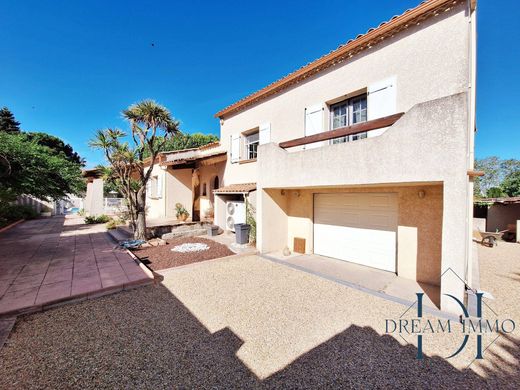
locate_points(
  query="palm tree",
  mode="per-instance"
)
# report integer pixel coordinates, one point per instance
(147, 119)
(122, 164)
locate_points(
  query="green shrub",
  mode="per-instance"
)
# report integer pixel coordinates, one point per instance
(112, 224)
(251, 221)
(92, 219)
(13, 212)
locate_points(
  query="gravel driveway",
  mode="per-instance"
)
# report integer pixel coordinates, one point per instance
(249, 323)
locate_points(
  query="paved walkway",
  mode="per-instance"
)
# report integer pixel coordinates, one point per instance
(48, 261)
(383, 283)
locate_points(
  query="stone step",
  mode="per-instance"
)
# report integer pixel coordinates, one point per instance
(184, 233)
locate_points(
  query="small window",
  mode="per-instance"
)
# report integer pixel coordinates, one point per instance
(346, 113)
(251, 145)
(204, 189)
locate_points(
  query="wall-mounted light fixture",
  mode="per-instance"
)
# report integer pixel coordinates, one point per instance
(421, 194)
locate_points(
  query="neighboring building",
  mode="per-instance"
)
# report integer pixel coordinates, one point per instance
(93, 203)
(366, 154)
(498, 214)
(187, 177)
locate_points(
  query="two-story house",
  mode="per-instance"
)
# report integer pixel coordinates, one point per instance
(366, 154)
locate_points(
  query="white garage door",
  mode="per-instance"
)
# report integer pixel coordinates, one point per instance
(357, 227)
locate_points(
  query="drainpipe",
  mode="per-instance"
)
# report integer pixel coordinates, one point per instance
(472, 72)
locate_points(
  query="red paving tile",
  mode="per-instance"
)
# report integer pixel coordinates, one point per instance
(58, 275)
(18, 299)
(46, 261)
(23, 282)
(53, 292)
(4, 286)
(85, 286)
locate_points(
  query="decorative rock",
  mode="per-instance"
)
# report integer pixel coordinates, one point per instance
(190, 247)
(157, 242)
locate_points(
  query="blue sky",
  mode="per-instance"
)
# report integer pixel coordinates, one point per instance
(69, 67)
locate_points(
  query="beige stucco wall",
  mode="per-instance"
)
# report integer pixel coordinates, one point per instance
(419, 234)
(429, 61)
(499, 216)
(429, 144)
(273, 228)
(178, 190)
(94, 200)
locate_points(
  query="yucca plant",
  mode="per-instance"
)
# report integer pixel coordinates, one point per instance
(152, 125)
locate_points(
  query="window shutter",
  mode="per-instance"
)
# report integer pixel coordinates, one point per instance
(314, 123)
(160, 179)
(265, 133)
(381, 102)
(149, 188)
(235, 147)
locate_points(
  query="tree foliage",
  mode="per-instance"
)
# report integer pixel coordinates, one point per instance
(511, 183)
(494, 192)
(501, 177)
(31, 169)
(189, 141)
(186, 141)
(8, 123)
(56, 146)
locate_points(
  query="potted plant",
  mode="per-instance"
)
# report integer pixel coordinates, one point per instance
(209, 213)
(181, 212)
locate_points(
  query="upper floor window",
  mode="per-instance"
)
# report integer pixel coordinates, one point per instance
(346, 113)
(251, 142)
(244, 145)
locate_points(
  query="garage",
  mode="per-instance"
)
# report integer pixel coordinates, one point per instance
(357, 227)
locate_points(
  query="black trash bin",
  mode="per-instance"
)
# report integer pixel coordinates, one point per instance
(242, 233)
(213, 230)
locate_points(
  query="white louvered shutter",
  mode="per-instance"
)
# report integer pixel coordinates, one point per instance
(265, 133)
(235, 147)
(314, 123)
(149, 188)
(381, 102)
(160, 180)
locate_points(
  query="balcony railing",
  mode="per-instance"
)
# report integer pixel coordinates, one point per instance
(343, 131)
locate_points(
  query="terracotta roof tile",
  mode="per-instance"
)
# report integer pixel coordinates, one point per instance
(236, 188)
(504, 200)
